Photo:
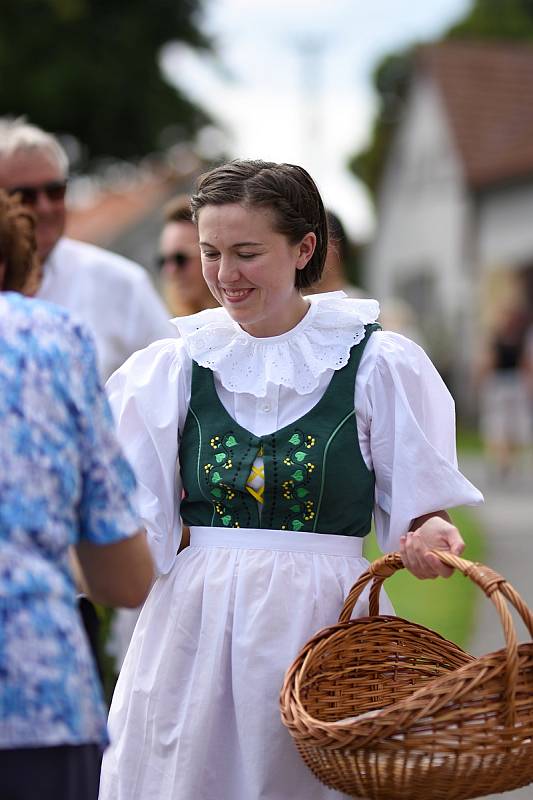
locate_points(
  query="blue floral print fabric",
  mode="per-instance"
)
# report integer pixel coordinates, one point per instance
(63, 478)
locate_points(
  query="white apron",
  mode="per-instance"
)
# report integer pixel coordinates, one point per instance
(195, 715)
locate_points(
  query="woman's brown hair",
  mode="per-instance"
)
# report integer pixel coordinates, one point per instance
(17, 243)
(287, 190)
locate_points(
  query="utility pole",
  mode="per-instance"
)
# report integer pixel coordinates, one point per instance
(310, 49)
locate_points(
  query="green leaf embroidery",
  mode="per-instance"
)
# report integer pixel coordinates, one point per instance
(298, 475)
(295, 509)
(220, 457)
(295, 438)
(302, 492)
(216, 492)
(226, 519)
(299, 456)
(297, 525)
(216, 477)
(231, 441)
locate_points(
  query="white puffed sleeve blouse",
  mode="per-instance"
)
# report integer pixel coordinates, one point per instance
(405, 414)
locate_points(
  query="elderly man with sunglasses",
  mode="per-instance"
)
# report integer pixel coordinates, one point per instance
(114, 296)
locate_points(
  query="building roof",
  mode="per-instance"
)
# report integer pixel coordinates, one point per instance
(112, 210)
(487, 88)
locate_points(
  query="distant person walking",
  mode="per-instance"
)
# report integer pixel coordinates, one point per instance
(63, 483)
(112, 295)
(504, 373)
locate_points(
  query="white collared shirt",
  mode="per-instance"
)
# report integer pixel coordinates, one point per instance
(112, 295)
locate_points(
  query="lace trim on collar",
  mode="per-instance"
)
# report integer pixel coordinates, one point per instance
(321, 341)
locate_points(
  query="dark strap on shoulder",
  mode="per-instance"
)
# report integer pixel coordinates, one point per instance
(202, 384)
(343, 381)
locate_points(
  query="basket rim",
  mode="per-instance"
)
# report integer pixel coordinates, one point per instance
(403, 705)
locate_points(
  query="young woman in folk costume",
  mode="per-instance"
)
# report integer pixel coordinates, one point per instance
(275, 427)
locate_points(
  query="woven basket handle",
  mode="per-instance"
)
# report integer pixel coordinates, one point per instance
(493, 585)
(377, 572)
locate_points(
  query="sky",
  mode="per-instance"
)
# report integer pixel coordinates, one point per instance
(291, 81)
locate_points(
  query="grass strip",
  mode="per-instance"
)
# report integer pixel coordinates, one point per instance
(444, 605)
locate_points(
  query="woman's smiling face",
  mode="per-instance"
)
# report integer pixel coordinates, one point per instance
(250, 268)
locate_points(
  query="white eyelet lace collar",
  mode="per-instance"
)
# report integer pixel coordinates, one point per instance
(322, 340)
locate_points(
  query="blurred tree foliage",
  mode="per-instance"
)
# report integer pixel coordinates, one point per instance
(391, 81)
(486, 19)
(90, 68)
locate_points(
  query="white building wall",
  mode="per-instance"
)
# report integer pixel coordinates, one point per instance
(423, 209)
(505, 225)
(424, 229)
(429, 224)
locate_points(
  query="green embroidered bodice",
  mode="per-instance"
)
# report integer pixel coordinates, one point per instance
(314, 473)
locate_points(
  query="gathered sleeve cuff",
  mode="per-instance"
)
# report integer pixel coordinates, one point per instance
(148, 397)
(411, 424)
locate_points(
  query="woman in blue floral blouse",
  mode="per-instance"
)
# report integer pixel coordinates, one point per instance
(63, 482)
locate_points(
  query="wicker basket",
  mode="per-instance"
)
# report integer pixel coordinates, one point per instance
(385, 709)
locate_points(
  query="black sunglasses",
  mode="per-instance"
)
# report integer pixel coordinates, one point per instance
(54, 191)
(180, 260)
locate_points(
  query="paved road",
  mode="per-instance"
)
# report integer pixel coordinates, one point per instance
(507, 519)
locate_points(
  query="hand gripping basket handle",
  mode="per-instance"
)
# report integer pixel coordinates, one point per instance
(494, 586)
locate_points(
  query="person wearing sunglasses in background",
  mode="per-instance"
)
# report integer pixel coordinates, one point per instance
(180, 267)
(112, 295)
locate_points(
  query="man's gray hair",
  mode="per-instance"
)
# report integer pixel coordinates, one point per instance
(16, 134)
